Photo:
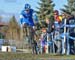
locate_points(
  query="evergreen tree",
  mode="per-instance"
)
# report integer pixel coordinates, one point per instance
(45, 10)
(70, 7)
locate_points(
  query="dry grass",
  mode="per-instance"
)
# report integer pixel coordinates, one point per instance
(24, 56)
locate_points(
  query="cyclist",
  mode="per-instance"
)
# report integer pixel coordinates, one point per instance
(27, 19)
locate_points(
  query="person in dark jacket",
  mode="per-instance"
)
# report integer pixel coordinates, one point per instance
(71, 21)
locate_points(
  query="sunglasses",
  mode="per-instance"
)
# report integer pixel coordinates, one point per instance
(63, 15)
(27, 10)
(55, 14)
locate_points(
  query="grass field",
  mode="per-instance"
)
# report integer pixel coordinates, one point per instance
(25, 56)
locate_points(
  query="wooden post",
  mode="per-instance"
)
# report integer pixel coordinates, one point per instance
(47, 43)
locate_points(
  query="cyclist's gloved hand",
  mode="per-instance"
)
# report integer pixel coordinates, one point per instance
(34, 28)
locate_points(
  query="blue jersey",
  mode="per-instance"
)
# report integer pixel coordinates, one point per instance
(27, 17)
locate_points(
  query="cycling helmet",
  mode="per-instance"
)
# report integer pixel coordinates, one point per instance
(27, 7)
